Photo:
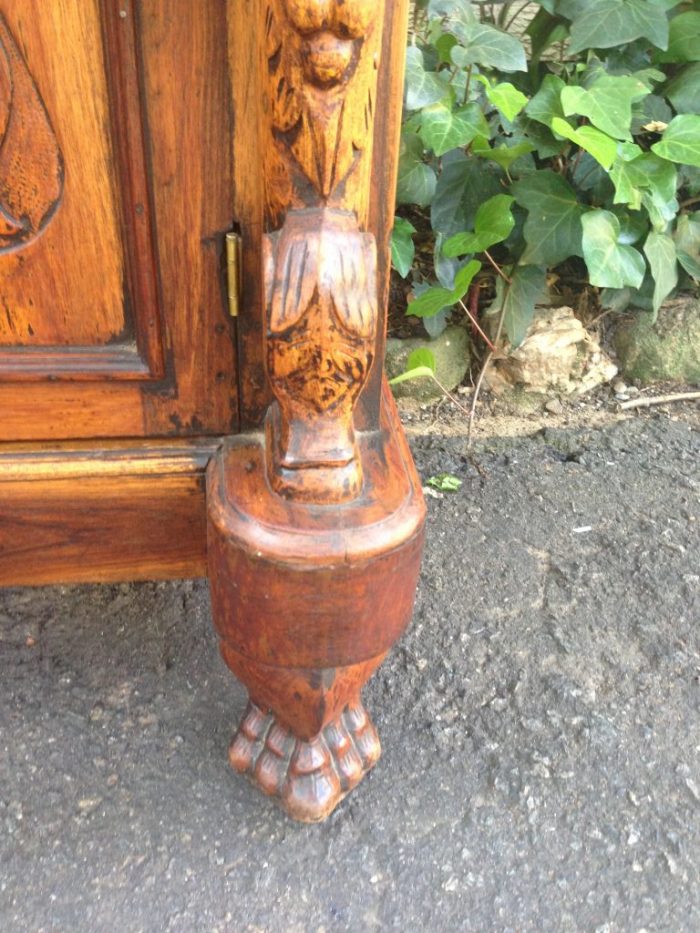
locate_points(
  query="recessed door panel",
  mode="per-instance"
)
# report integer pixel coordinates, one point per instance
(97, 313)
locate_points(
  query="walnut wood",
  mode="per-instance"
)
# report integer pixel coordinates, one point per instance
(383, 183)
(315, 530)
(309, 777)
(320, 264)
(101, 306)
(79, 513)
(133, 136)
(307, 600)
(247, 59)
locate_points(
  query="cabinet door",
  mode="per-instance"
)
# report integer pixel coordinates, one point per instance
(115, 195)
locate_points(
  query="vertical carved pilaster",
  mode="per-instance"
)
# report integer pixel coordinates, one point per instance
(320, 264)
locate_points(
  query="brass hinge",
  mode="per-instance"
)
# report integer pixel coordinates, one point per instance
(233, 272)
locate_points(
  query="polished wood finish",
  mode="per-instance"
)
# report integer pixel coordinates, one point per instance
(134, 136)
(81, 513)
(319, 90)
(315, 528)
(308, 599)
(119, 274)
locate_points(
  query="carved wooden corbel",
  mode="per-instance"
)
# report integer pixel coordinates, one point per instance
(315, 528)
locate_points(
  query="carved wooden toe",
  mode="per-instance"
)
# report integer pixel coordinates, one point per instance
(308, 777)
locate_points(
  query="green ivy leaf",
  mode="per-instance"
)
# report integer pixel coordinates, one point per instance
(660, 251)
(494, 223)
(416, 373)
(421, 357)
(600, 145)
(462, 186)
(546, 104)
(603, 24)
(443, 129)
(416, 180)
(464, 278)
(607, 103)
(553, 227)
(422, 87)
(444, 45)
(505, 97)
(487, 46)
(403, 248)
(517, 300)
(545, 30)
(681, 140)
(684, 39)
(627, 184)
(684, 90)
(687, 238)
(445, 482)
(431, 301)
(502, 154)
(643, 178)
(434, 299)
(610, 265)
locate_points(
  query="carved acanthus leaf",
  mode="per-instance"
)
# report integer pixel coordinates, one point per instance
(332, 264)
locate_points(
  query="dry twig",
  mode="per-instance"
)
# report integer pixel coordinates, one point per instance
(659, 400)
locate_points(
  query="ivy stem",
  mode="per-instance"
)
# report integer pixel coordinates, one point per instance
(487, 363)
(497, 267)
(689, 203)
(449, 395)
(468, 85)
(474, 321)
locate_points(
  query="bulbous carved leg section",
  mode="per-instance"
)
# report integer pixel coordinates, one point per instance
(307, 600)
(308, 776)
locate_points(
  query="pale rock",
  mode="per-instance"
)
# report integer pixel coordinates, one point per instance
(557, 355)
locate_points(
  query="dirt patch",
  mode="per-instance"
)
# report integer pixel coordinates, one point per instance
(524, 416)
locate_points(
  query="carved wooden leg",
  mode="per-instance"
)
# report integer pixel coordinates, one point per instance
(307, 600)
(315, 527)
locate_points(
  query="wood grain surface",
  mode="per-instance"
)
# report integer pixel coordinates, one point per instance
(112, 314)
(80, 513)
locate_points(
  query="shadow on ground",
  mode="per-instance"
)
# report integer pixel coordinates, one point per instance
(540, 724)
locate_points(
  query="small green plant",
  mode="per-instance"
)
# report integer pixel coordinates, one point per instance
(577, 141)
(445, 482)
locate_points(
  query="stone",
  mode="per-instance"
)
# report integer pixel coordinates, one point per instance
(557, 355)
(451, 352)
(665, 350)
(554, 406)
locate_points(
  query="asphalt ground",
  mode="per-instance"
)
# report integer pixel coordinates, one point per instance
(541, 767)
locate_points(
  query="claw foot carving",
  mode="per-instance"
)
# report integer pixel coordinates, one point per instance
(309, 778)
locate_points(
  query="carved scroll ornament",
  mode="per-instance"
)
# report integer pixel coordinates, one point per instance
(31, 166)
(320, 269)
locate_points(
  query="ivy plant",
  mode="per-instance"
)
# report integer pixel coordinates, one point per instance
(573, 138)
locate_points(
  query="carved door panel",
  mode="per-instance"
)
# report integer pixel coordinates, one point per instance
(112, 217)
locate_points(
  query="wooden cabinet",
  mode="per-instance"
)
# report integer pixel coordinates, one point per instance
(137, 139)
